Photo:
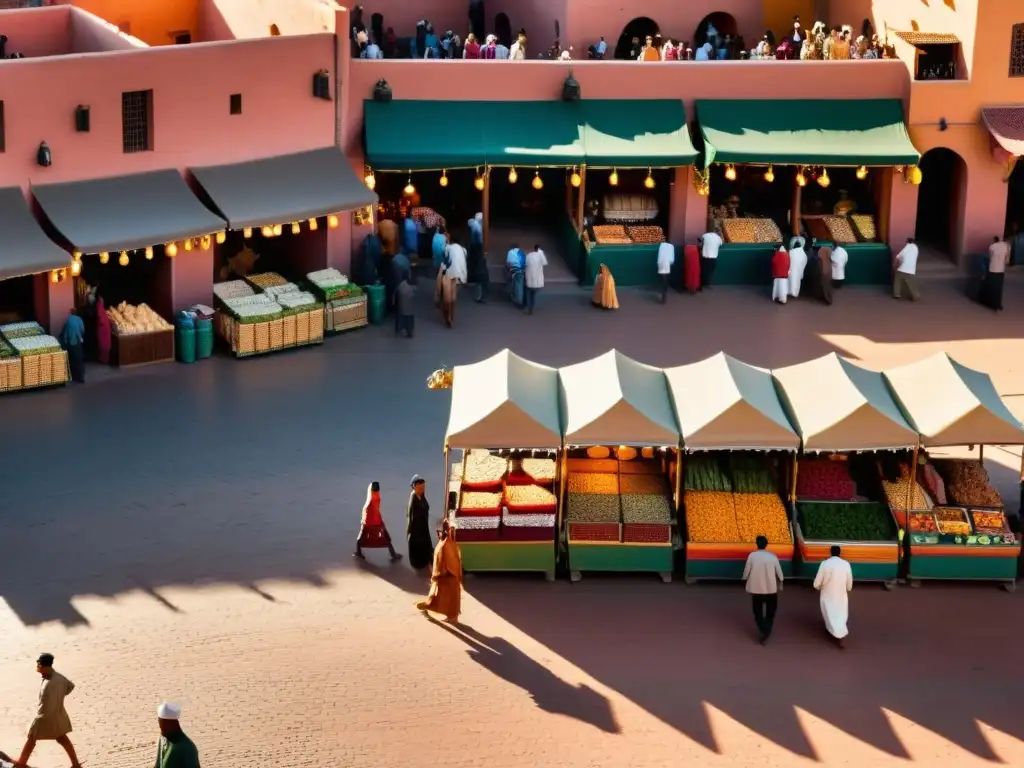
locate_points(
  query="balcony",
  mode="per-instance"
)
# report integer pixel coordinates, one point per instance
(37, 32)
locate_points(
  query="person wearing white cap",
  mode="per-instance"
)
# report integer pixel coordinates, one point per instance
(175, 749)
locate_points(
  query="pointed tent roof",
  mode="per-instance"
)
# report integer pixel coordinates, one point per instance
(504, 401)
(838, 406)
(614, 400)
(950, 404)
(723, 403)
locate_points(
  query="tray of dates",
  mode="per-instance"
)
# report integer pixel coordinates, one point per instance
(645, 233)
(923, 522)
(645, 533)
(952, 520)
(989, 521)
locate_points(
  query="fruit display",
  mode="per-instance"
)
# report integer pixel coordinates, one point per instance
(642, 533)
(967, 483)
(532, 498)
(527, 519)
(126, 320)
(923, 522)
(17, 330)
(480, 502)
(26, 346)
(593, 483)
(531, 472)
(333, 285)
(762, 514)
(986, 521)
(703, 473)
(645, 233)
(593, 508)
(232, 289)
(952, 520)
(751, 474)
(611, 234)
(896, 493)
(711, 517)
(645, 508)
(599, 452)
(599, 466)
(652, 484)
(482, 469)
(626, 453)
(266, 280)
(862, 521)
(824, 480)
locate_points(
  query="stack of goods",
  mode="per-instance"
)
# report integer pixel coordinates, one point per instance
(258, 308)
(896, 484)
(733, 507)
(703, 473)
(281, 315)
(977, 527)
(529, 513)
(29, 358)
(838, 521)
(16, 330)
(759, 510)
(345, 302)
(593, 510)
(646, 509)
(832, 229)
(626, 208)
(864, 227)
(825, 480)
(333, 285)
(478, 517)
(967, 483)
(126, 320)
(232, 289)
(611, 234)
(643, 234)
(265, 280)
(751, 231)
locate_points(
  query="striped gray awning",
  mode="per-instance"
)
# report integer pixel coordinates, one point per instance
(24, 247)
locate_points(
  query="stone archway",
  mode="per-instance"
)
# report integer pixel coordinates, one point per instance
(639, 28)
(940, 202)
(723, 22)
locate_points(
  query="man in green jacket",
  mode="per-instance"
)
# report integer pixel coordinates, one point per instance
(175, 749)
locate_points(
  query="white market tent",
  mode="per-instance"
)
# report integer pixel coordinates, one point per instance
(614, 400)
(504, 401)
(838, 406)
(950, 404)
(724, 404)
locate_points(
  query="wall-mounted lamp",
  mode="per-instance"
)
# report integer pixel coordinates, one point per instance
(82, 119)
(58, 275)
(382, 91)
(571, 89)
(44, 157)
(322, 85)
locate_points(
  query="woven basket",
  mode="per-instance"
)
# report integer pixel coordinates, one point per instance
(262, 336)
(302, 328)
(288, 331)
(5, 367)
(276, 333)
(245, 338)
(30, 371)
(61, 369)
(14, 373)
(45, 369)
(316, 325)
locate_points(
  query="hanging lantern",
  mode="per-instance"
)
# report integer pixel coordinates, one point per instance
(123, 259)
(409, 190)
(296, 229)
(278, 229)
(649, 181)
(222, 237)
(478, 182)
(613, 177)
(769, 175)
(312, 225)
(55, 276)
(104, 257)
(76, 256)
(824, 180)
(205, 242)
(332, 221)
(575, 179)
(266, 231)
(898, 169)
(862, 173)
(704, 190)
(730, 172)
(188, 244)
(76, 268)
(149, 253)
(513, 177)
(538, 182)
(171, 249)
(914, 175)
(801, 180)
(443, 181)
(369, 179)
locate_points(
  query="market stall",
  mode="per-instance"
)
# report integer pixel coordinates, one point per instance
(30, 358)
(504, 418)
(620, 439)
(966, 535)
(739, 451)
(845, 416)
(822, 168)
(266, 313)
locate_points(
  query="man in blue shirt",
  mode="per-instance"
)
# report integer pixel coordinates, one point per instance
(410, 236)
(72, 338)
(477, 258)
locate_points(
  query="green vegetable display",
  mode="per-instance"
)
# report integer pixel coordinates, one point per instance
(830, 521)
(703, 473)
(6, 350)
(752, 474)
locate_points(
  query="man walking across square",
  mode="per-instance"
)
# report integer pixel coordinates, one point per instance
(905, 279)
(51, 722)
(763, 575)
(834, 582)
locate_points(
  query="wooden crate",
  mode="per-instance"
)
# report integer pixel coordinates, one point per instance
(142, 348)
(15, 378)
(345, 314)
(245, 338)
(316, 326)
(288, 326)
(45, 369)
(302, 328)
(30, 371)
(276, 333)
(61, 367)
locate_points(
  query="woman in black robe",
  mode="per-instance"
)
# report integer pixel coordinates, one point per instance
(417, 525)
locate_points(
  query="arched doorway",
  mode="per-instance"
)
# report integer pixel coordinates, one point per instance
(723, 23)
(275, 30)
(503, 29)
(639, 28)
(940, 202)
(1015, 199)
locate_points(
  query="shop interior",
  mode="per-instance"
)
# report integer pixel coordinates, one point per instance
(137, 277)
(18, 300)
(292, 250)
(624, 206)
(1015, 202)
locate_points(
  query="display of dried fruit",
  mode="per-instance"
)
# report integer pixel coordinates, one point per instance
(861, 521)
(762, 514)
(922, 522)
(711, 517)
(266, 279)
(541, 470)
(824, 480)
(482, 469)
(642, 533)
(477, 502)
(952, 520)
(654, 484)
(645, 508)
(645, 233)
(593, 508)
(126, 319)
(896, 493)
(611, 234)
(529, 497)
(586, 482)
(989, 522)
(967, 483)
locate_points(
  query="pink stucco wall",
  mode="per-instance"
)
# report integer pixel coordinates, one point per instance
(91, 34)
(37, 32)
(249, 19)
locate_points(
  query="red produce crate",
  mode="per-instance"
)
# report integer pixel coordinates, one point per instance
(646, 533)
(464, 535)
(515, 533)
(594, 532)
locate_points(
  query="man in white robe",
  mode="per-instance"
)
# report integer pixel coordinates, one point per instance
(797, 265)
(834, 582)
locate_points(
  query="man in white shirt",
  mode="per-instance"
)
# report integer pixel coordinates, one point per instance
(797, 264)
(534, 273)
(666, 258)
(905, 279)
(834, 582)
(709, 245)
(992, 287)
(763, 575)
(839, 259)
(455, 255)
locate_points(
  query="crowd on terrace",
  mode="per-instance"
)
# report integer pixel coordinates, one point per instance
(820, 43)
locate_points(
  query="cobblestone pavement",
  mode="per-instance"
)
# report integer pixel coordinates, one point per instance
(186, 532)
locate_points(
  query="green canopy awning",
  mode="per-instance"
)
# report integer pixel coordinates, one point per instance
(428, 135)
(831, 132)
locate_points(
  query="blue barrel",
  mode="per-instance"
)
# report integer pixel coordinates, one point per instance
(375, 303)
(204, 338)
(185, 341)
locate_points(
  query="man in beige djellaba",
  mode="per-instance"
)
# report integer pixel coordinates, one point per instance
(51, 722)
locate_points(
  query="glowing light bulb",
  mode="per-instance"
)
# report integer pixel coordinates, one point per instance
(443, 181)
(123, 259)
(730, 172)
(513, 177)
(370, 180)
(171, 249)
(76, 268)
(278, 229)
(915, 175)
(769, 175)
(76, 256)
(613, 178)
(267, 231)
(332, 221)
(296, 228)
(149, 253)
(478, 182)
(55, 276)
(247, 233)
(575, 179)
(824, 180)
(188, 244)
(801, 180)
(409, 190)
(649, 181)
(104, 257)
(222, 238)
(205, 242)
(538, 182)
(862, 173)
(312, 225)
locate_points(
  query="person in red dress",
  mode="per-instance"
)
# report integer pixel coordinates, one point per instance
(691, 267)
(780, 275)
(373, 534)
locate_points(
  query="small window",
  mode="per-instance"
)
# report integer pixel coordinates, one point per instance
(137, 121)
(125, 27)
(3, 130)
(1017, 51)
(236, 103)
(936, 61)
(182, 38)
